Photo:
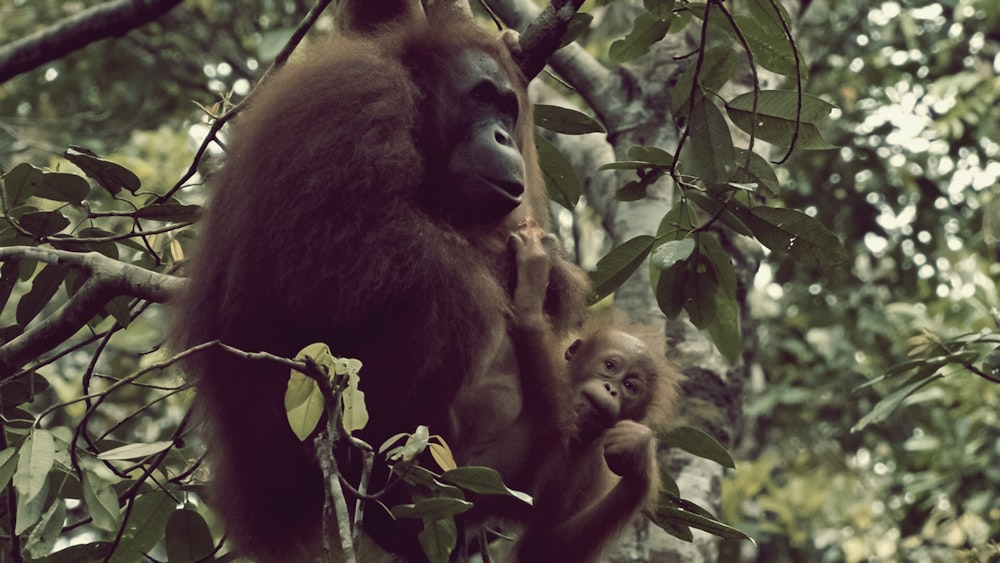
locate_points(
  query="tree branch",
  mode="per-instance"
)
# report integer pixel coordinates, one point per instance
(108, 279)
(541, 31)
(114, 18)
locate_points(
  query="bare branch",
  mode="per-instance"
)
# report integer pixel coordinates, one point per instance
(541, 32)
(108, 279)
(110, 19)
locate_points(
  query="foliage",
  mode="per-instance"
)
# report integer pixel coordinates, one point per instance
(718, 183)
(912, 193)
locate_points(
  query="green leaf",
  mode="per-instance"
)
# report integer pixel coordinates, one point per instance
(319, 353)
(43, 537)
(776, 118)
(29, 510)
(20, 184)
(136, 451)
(670, 289)
(652, 155)
(59, 186)
(8, 464)
(112, 177)
(565, 120)
(792, 231)
(304, 404)
(415, 444)
(725, 329)
(667, 483)
(355, 414)
(438, 539)
(646, 31)
(43, 224)
(188, 537)
(432, 508)
(43, 288)
(102, 502)
(79, 553)
(991, 364)
(619, 264)
(717, 67)
(886, 406)
(8, 279)
(700, 287)
(35, 461)
(676, 513)
(758, 171)
(21, 390)
(145, 527)
(660, 9)
(561, 182)
(672, 252)
(712, 154)
(698, 443)
(170, 212)
(483, 481)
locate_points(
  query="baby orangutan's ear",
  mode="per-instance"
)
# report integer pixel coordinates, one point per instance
(571, 351)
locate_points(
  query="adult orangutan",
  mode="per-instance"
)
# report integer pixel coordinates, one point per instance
(366, 201)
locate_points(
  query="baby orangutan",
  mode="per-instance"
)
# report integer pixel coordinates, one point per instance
(593, 459)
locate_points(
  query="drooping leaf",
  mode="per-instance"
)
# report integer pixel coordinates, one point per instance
(136, 451)
(886, 406)
(8, 464)
(670, 286)
(659, 9)
(59, 186)
(304, 404)
(36, 458)
(698, 443)
(78, 553)
(355, 415)
(652, 155)
(112, 177)
(146, 525)
(619, 264)
(188, 537)
(756, 171)
(21, 183)
(170, 212)
(29, 510)
(805, 238)
(561, 182)
(566, 121)
(438, 539)
(717, 67)
(712, 150)
(646, 31)
(43, 537)
(43, 287)
(432, 508)
(672, 252)
(442, 454)
(482, 480)
(101, 501)
(676, 513)
(725, 329)
(776, 118)
(700, 287)
(43, 224)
